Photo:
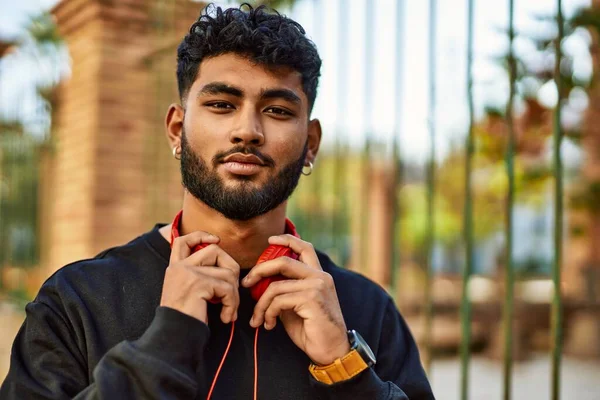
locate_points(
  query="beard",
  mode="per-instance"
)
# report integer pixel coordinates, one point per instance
(245, 200)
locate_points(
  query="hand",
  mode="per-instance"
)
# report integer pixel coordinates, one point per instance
(193, 279)
(306, 303)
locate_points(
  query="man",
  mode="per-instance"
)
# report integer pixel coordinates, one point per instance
(155, 318)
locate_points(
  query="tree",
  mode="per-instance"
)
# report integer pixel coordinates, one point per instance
(42, 46)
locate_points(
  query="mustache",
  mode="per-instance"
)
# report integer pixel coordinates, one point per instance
(219, 157)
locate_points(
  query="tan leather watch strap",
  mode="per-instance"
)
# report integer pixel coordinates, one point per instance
(340, 370)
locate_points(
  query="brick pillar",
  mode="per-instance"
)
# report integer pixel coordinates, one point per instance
(109, 136)
(380, 223)
(582, 277)
(73, 198)
(588, 269)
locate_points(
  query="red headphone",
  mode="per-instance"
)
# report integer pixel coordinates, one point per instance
(256, 291)
(272, 252)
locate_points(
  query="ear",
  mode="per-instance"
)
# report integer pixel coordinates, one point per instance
(314, 139)
(174, 125)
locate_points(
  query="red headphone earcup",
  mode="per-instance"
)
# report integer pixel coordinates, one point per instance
(272, 252)
(261, 286)
(275, 251)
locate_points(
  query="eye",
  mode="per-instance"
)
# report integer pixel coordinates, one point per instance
(281, 112)
(220, 105)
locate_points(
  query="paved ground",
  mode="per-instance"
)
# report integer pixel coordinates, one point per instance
(580, 379)
(10, 321)
(531, 379)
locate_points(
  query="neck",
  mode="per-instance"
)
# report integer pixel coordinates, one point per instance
(243, 240)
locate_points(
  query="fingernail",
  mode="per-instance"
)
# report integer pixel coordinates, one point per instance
(252, 321)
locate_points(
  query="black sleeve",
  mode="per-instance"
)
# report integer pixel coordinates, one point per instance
(47, 364)
(398, 373)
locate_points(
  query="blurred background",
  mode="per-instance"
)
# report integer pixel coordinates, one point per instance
(441, 119)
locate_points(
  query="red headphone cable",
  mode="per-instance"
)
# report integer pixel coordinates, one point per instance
(212, 386)
(214, 382)
(256, 364)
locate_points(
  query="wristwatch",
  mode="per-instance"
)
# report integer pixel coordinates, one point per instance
(357, 360)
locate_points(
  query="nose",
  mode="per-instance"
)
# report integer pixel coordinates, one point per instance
(248, 129)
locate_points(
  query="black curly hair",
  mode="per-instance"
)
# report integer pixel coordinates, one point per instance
(261, 34)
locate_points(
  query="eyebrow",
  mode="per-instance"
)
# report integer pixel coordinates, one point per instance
(223, 88)
(285, 94)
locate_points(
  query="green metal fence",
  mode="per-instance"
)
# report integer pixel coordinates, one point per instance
(333, 208)
(465, 309)
(360, 166)
(364, 169)
(19, 186)
(557, 336)
(510, 197)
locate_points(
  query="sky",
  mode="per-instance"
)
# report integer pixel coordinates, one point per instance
(357, 96)
(451, 113)
(14, 14)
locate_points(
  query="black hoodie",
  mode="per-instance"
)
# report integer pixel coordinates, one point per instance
(96, 331)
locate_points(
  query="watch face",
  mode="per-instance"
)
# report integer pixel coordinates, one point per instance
(362, 347)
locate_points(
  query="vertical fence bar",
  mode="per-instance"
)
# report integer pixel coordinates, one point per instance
(3, 229)
(364, 201)
(465, 308)
(558, 213)
(337, 200)
(341, 156)
(313, 224)
(33, 209)
(396, 215)
(510, 172)
(345, 213)
(322, 219)
(399, 66)
(430, 238)
(312, 199)
(366, 155)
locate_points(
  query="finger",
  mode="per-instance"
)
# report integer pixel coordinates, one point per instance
(276, 289)
(223, 274)
(285, 266)
(228, 276)
(227, 293)
(283, 302)
(213, 255)
(183, 245)
(305, 250)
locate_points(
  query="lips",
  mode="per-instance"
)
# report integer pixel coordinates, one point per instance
(243, 164)
(243, 159)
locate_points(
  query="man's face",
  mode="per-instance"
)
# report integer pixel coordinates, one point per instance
(244, 136)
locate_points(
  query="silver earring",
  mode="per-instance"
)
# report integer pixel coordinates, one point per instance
(175, 153)
(310, 169)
